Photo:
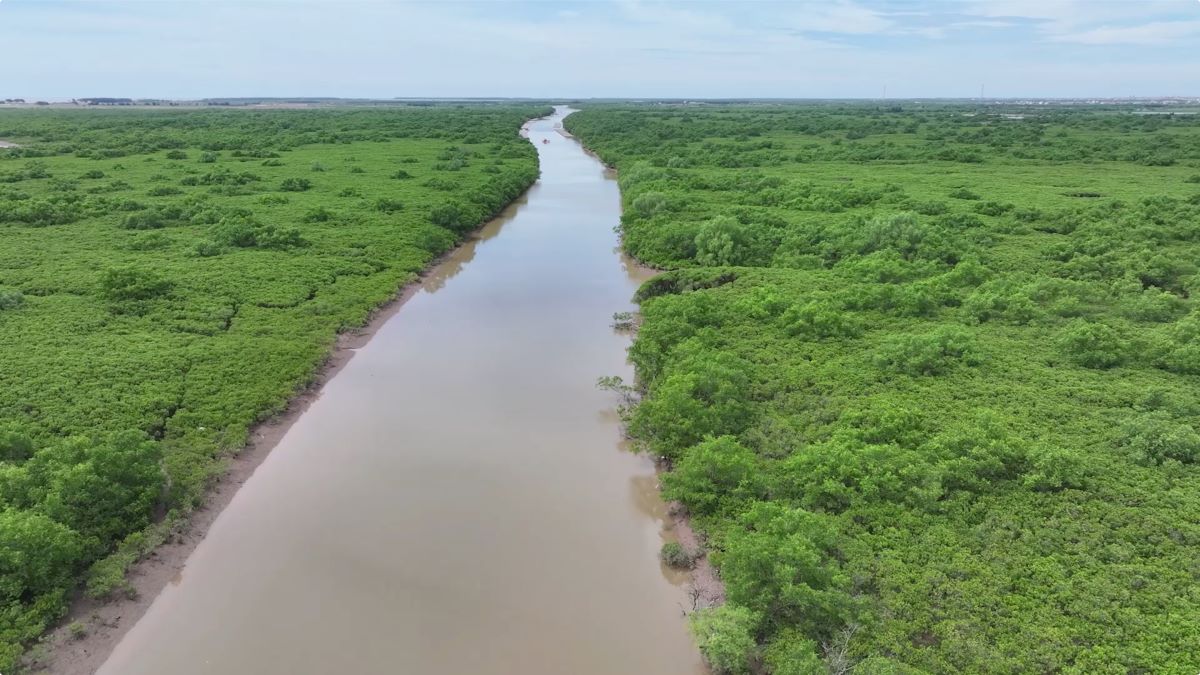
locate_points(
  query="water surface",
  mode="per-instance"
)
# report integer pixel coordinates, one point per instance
(456, 501)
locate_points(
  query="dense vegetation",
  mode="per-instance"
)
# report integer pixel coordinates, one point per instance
(168, 279)
(927, 378)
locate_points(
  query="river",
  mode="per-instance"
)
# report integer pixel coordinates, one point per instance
(456, 500)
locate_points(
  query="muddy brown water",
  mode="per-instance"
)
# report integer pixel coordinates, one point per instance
(457, 499)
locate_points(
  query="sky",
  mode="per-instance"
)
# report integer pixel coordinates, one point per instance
(55, 49)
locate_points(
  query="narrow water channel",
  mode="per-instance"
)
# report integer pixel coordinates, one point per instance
(456, 501)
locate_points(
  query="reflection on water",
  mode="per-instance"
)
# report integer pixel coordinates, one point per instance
(456, 501)
(436, 278)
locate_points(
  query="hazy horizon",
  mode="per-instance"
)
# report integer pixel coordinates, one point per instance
(176, 49)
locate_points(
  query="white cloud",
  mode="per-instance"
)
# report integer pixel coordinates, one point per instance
(838, 17)
(1059, 17)
(1155, 33)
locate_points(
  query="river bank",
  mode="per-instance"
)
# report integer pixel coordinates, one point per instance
(66, 651)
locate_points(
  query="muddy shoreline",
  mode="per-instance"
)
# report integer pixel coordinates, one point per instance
(107, 621)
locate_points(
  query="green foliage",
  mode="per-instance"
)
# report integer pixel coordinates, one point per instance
(294, 184)
(1094, 345)
(930, 353)
(11, 298)
(1155, 439)
(725, 636)
(141, 337)
(674, 555)
(792, 654)
(14, 445)
(818, 320)
(720, 241)
(649, 203)
(941, 415)
(713, 471)
(127, 284)
(247, 232)
(706, 398)
(780, 563)
(388, 205)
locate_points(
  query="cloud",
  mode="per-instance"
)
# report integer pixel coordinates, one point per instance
(1155, 33)
(1062, 17)
(838, 17)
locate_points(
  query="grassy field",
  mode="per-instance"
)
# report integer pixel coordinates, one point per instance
(168, 279)
(926, 378)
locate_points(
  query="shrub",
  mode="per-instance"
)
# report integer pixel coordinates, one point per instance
(389, 205)
(903, 233)
(1001, 300)
(930, 353)
(648, 204)
(959, 221)
(153, 241)
(1155, 438)
(449, 216)
(399, 174)
(713, 472)
(14, 445)
(991, 208)
(177, 154)
(125, 284)
(818, 320)
(674, 555)
(964, 193)
(1094, 345)
(318, 215)
(208, 249)
(208, 157)
(152, 219)
(11, 299)
(790, 653)
(930, 208)
(295, 184)
(725, 636)
(1027, 215)
(40, 557)
(242, 231)
(721, 241)
(780, 562)
(1052, 468)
